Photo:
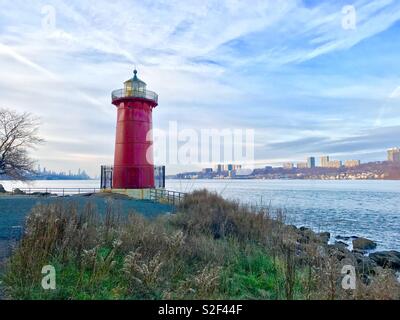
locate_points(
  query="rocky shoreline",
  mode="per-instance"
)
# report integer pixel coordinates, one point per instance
(367, 264)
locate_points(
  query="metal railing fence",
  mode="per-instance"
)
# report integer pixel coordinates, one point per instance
(55, 191)
(168, 196)
(122, 93)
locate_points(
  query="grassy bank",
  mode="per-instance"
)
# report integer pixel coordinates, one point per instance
(210, 249)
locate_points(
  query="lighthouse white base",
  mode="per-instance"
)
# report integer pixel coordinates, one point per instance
(140, 194)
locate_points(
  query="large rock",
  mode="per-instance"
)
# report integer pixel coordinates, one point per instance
(358, 251)
(389, 259)
(306, 235)
(363, 244)
(365, 265)
(2, 190)
(324, 236)
(345, 238)
(341, 244)
(338, 251)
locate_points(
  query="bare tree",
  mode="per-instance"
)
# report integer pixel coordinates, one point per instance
(18, 133)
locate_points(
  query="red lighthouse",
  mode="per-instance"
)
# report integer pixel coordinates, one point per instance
(133, 159)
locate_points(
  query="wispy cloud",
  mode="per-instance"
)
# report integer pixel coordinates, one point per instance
(262, 65)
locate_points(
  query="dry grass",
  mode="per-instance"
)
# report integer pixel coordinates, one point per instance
(212, 248)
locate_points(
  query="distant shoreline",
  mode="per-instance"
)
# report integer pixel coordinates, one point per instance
(49, 179)
(305, 179)
(384, 170)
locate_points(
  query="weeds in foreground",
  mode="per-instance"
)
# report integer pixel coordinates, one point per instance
(211, 249)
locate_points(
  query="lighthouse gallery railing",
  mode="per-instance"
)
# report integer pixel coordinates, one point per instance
(122, 93)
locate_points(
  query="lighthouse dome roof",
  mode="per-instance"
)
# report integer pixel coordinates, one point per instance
(135, 83)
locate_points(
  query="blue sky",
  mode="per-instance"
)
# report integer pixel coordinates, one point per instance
(287, 69)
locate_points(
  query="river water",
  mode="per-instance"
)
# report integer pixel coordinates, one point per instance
(367, 208)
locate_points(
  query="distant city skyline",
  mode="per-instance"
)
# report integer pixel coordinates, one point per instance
(327, 169)
(393, 154)
(44, 170)
(326, 161)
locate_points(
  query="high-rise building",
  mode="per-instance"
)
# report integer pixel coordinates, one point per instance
(288, 165)
(334, 164)
(352, 163)
(327, 163)
(302, 165)
(234, 167)
(324, 161)
(311, 162)
(227, 167)
(394, 155)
